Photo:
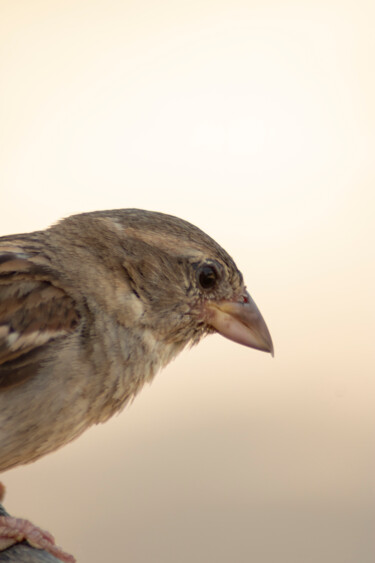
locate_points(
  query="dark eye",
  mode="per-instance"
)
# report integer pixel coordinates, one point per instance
(207, 277)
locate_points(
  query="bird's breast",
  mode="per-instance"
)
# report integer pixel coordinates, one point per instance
(123, 362)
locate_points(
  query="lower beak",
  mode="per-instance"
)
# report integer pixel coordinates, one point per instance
(241, 322)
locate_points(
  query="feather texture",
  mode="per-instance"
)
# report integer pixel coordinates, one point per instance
(33, 313)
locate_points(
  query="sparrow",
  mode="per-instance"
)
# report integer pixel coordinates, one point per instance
(91, 309)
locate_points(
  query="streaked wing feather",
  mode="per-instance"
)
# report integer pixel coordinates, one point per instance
(33, 312)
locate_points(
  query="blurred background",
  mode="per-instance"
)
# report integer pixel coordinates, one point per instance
(256, 122)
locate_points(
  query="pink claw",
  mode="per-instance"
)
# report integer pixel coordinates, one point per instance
(15, 530)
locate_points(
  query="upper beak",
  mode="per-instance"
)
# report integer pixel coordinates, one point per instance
(241, 322)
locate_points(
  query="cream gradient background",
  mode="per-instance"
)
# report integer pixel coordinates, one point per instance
(255, 121)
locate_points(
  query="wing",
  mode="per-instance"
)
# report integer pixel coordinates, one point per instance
(33, 313)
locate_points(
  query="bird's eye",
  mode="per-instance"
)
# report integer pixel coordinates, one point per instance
(207, 277)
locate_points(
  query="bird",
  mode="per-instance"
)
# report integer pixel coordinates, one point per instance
(91, 309)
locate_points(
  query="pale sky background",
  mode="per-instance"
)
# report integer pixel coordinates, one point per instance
(256, 122)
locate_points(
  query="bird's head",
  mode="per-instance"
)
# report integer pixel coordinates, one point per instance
(186, 285)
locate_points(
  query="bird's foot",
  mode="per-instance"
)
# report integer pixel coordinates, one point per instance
(15, 530)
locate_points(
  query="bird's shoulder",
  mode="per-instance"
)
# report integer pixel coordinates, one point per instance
(34, 308)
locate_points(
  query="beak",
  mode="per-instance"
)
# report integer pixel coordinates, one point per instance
(241, 322)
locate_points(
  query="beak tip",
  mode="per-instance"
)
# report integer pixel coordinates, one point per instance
(268, 347)
(271, 348)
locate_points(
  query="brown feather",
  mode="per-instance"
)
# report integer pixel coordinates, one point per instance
(32, 313)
